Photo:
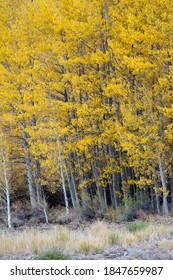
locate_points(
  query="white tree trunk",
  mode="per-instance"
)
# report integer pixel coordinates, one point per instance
(46, 216)
(62, 175)
(161, 164)
(7, 189)
(61, 166)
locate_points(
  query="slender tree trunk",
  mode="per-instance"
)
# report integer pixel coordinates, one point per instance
(172, 194)
(63, 178)
(7, 189)
(44, 206)
(37, 181)
(114, 185)
(101, 198)
(41, 199)
(123, 182)
(61, 165)
(46, 215)
(62, 175)
(161, 167)
(152, 197)
(124, 188)
(99, 192)
(29, 171)
(73, 198)
(156, 189)
(83, 191)
(75, 191)
(72, 185)
(157, 197)
(111, 196)
(105, 198)
(164, 185)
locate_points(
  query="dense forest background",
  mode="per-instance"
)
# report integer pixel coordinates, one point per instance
(86, 105)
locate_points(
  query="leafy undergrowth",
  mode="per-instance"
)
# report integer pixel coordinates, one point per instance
(96, 240)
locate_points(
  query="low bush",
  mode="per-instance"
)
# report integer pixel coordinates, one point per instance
(138, 210)
(92, 209)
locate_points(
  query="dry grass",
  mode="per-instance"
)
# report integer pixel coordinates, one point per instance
(166, 244)
(94, 238)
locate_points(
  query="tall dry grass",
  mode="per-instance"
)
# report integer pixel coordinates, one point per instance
(93, 238)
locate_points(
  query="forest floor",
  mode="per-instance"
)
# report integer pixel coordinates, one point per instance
(152, 239)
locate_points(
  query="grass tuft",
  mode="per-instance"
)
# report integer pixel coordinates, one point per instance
(85, 247)
(53, 255)
(113, 237)
(136, 226)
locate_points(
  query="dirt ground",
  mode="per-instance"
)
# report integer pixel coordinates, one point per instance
(112, 253)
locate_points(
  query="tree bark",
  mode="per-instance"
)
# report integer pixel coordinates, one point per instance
(7, 189)
(29, 171)
(62, 175)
